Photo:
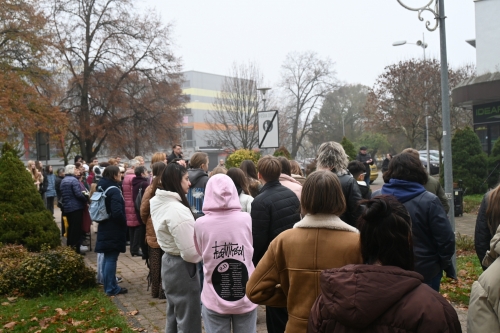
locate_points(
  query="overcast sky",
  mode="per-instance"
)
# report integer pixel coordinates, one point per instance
(357, 34)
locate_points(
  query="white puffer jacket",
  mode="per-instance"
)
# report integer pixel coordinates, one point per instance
(174, 225)
(246, 202)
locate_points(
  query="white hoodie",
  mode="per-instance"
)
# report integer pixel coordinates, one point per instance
(174, 225)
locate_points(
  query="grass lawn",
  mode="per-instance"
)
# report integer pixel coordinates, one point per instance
(86, 311)
(468, 271)
(472, 203)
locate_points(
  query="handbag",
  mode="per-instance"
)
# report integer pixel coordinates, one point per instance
(138, 200)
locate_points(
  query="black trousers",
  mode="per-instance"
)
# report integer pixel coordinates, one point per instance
(75, 220)
(276, 319)
(137, 238)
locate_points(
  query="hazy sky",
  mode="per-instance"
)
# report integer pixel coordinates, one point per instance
(356, 34)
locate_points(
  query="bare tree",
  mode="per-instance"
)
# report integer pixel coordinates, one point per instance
(306, 79)
(406, 93)
(95, 38)
(234, 120)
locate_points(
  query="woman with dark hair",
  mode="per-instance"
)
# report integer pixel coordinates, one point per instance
(173, 222)
(487, 222)
(385, 294)
(287, 276)
(241, 183)
(112, 233)
(154, 250)
(139, 185)
(433, 238)
(254, 186)
(50, 188)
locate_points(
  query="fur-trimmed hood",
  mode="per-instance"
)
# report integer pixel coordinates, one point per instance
(324, 221)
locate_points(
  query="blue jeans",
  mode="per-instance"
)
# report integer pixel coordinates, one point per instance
(435, 282)
(111, 288)
(100, 264)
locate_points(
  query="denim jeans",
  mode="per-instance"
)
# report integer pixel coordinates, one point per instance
(111, 288)
(435, 282)
(100, 264)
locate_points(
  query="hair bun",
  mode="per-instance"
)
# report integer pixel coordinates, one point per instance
(376, 209)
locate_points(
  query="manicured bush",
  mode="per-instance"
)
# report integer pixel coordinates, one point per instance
(349, 148)
(282, 151)
(469, 161)
(494, 165)
(51, 270)
(23, 216)
(235, 159)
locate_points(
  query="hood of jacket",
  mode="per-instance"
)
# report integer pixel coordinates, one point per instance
(221, 195)
(104, 183)
(494, 252)
(403, 190)
(285, 177)
(359, 294)
(138, 180)
(198, 178)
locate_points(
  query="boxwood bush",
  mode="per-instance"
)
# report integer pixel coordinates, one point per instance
(23, 217)
(51, 270)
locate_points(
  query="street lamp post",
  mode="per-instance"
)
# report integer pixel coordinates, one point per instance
(436, 8)
(427, 144)
(420, 43)
(263, 92)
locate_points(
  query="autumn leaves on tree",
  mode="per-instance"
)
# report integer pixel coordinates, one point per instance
(96, 73)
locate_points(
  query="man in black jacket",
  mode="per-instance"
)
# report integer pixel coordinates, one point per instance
(367, 160)
(176, 153)
(274, 210)
(331, 156)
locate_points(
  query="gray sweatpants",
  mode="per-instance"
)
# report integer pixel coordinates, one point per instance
(181, 283)
(242, 323)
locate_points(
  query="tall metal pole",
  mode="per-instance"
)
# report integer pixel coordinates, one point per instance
(445, 101)
(423, 44)
(427, 141)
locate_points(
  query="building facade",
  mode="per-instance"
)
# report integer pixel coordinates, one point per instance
(481, 94)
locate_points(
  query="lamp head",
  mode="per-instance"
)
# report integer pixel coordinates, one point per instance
(398, 43)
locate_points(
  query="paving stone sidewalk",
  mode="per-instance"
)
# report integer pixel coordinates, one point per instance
(152, 312)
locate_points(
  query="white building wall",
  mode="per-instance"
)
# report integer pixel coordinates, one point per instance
(487, 36)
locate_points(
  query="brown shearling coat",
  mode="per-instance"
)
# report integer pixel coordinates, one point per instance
(288, 274)
(146, 219)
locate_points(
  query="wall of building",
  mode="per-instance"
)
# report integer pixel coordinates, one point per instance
(487, 36)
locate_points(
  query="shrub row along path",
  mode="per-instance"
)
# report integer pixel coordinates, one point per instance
(151, 316)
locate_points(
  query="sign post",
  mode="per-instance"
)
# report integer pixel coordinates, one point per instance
(268, 129)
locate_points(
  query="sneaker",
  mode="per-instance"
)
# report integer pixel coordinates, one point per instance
(119, 279)
(123, 291)
(84, 248)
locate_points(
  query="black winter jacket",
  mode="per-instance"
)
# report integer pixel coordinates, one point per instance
(112, 233)
(58, 186)
(274, 210)
(482, 234)
(352, 196)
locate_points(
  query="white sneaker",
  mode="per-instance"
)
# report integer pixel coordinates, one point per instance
(84, 248)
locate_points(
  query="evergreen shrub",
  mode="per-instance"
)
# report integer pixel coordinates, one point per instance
(235, 159)
(494, 165)
(23, 216)
(282, 151)
(51, 270)
(469, 161)
(349, 148)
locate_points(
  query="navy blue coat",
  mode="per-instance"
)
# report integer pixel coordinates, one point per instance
(274, 210)
(71, 193)
(112, 233)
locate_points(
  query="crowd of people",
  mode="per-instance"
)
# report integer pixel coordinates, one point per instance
(322, 252)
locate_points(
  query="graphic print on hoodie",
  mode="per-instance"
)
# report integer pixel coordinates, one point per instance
(196, 193)
(223, 237)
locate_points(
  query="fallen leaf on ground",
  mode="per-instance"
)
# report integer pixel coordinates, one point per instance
(61, 312)
(10, 325)
(61, 329)
(77, 323)
(11, 299)
(93, 330)
(85, 302)
(5, 303)
(34, 319)
(132, 313)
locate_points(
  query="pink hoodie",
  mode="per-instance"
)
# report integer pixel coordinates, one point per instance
(223, 237)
